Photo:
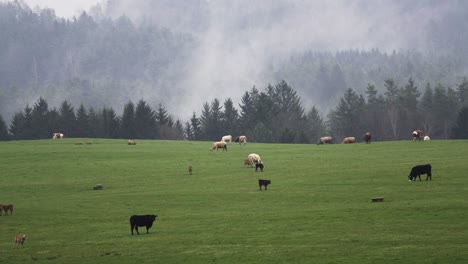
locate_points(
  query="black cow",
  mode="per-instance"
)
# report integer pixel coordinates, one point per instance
(259, 165)
(142, 220)
(263, 183)
(416, 172)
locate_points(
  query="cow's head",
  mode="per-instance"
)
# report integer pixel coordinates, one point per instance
(152, 217)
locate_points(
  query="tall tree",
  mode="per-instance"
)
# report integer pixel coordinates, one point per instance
(110, 123)
(3, 130)
(392, 104)
(427, 110)
(128, 121)
(83, 127)
(67, 120)
(460, 129)
(195, 126)
(230, 118)
(409, 95)
(39, 121)
(315, 126)
(145, 121)
(374, 113)
(345, 119)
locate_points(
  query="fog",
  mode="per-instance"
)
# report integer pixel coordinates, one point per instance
(242, 43)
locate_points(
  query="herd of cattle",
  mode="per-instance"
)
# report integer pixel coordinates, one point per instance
(252, 159)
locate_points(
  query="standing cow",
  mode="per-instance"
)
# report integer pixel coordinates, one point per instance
(417, 135)
(325, 140)
(416, 172)
(241, 139)
(142, 220)
(57, 135)
(367, 137)
(348, 140)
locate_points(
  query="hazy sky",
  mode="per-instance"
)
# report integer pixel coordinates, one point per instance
(63, 8)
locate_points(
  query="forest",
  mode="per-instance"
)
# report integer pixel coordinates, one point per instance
(274, 115)
(110, 76)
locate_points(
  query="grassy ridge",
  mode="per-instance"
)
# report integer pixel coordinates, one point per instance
(317, 209)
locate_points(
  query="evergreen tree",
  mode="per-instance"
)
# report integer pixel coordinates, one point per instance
(83, 127)
(248, 112)
(409, 120)
(345, 119)
(315, 126)
(53, 121)
(205, 119)
(3, 130)
(145, 121)
(110, 123)
(460, 129)
(178, 131)
(195, 127)
(67, 120)
(39, 120)
(462, 91)
(94, 124)
(164, 122)
(128, 121)
(230, 118)
(374, 113)
(427, 110)
(17, 126)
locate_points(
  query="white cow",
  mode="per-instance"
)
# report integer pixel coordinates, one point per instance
(427, 138)
(227, 139)
(254, 159)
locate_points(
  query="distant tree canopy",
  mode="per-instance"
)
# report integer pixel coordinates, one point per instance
(274, 115)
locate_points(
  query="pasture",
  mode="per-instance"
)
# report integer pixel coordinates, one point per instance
(317, 209)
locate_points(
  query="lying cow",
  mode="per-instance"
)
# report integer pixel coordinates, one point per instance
(325, 140)
(142, 220)
(57, 135)
(416, 172)
(217, 145)
(348, 140)
(131, 142)
(263, 183)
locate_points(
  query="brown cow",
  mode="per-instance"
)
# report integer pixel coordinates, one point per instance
(367, 137)
(20, 240)
(348, 140)
(248, 162)
(7, 207)
(417, 135)
(241, 139)
(131, 142)
(190, 169)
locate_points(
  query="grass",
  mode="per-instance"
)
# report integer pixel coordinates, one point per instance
(317, 209)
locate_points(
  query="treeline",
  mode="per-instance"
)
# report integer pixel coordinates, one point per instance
(274, 115)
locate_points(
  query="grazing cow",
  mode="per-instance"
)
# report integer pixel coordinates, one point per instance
(142, 220)
(416, 172)
(227, 139)
(57, 135)
(259, 165)
(325, 140)
(190, 169)
(254, 159)
(6, 208)
(20, 240)
(263, 183)
(241, 139)
(131, 142)
(219, 144)
(417, 135)
(348, 140)
(427, 138)
(98, 187)
(367, 137)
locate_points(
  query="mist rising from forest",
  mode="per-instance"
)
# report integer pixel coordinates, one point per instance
(241, 42)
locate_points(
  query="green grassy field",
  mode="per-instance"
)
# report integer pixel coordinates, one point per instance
(317, 209)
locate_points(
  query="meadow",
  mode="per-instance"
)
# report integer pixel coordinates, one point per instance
(318, 208)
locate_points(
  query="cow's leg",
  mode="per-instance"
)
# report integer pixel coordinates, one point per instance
(266, 187)
(147, 229)
(131, 228)
(136, 229)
